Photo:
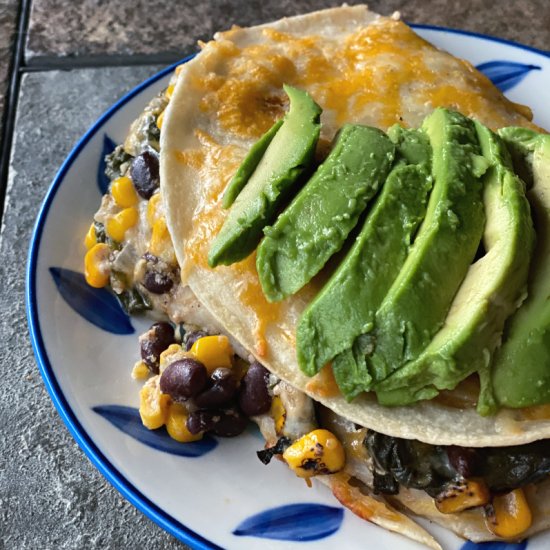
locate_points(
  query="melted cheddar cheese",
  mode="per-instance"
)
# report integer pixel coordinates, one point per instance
(379, 75)
(384, 69)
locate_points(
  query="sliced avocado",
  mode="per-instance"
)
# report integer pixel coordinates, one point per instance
(286, 158)
(520, 373)
(521, 143)
(248, 165)
(493, 289)
(350, 368)
(317, 222)
(420, 297)
(345, 307)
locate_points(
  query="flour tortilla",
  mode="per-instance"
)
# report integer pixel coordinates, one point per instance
(208, 128)
(469, 524)
(225, 98)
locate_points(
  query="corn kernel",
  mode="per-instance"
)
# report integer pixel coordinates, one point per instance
(213, 352)
(176, 425)
(463, 495)
(160, 120)
(170, 91)
(90, 238)
(316, 453)
(278, 413)
(153, 405)
(161, 244)
(153, 212)
(158, 237)
(172, 349)
(140, 371)
(509, 515)
(96, 265)
(117, 226)
(122, 190)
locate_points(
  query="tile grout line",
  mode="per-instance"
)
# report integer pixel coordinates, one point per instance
(99, 62)
(10, 107)
(18, 67)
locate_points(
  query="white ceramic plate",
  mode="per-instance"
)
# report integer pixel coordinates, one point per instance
(214, 493)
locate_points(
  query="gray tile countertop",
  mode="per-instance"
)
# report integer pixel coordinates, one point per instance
(62, 30)
(50, 495)
(8, 16)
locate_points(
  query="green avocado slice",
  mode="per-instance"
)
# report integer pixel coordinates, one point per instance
(520, 374)
(521, 142)
(493, 289)
(420, 297)
(358, 286)
(248, 165)
(289, 154)
(317, 222)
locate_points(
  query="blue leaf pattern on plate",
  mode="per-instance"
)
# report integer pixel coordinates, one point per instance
(296, 522)
(494, 545)
(102, 180)
(506, 74)
(127, 420)
(96, 305)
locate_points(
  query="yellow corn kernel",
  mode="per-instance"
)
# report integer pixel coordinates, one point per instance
(90, 238)
(509, 515)
(140, 371)
(176, 425)
(158, 237)
(278, 413)
(463, 495)
(172, 349)
(153, 213)
(316, 453)
(160, 120)
(178, 69)
(161, 244)
(170, 91)
(153, 405)
(213, 352)
(117, 226)
(124, 193)
(96, 265)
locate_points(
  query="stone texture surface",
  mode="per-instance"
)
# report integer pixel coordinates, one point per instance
(50, 494)
(8, 16)
(61, 30)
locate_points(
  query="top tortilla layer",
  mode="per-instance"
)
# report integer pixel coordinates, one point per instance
(361, 68)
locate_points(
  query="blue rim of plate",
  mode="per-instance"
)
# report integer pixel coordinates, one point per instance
(98, 459)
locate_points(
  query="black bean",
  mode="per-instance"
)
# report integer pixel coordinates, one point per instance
(202, 421)
(232, 422)
(157, 283)
(254, 397)
(463, 459)
(154, 342)
(145, 174)
(224, 423)
(184, 379)
(224, 386)
(192, 337)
